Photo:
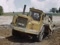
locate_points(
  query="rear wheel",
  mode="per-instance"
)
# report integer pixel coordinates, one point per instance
(47, 30)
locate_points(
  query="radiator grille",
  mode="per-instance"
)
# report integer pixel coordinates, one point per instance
(21, 22)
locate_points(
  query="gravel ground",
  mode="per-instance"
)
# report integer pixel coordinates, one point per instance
(6, 38)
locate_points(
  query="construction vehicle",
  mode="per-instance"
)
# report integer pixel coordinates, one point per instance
(35, 24)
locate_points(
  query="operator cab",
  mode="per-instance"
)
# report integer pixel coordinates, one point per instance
(35, 14)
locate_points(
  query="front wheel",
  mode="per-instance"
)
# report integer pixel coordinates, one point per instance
(41, 35)
(14, 32)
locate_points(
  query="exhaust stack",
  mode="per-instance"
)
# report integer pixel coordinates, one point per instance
(24, 9)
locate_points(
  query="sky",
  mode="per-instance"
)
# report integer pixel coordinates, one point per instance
(17, 5)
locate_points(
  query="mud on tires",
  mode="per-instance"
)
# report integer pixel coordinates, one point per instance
(40, 36)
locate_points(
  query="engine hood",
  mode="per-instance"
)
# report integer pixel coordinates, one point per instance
(34, 25)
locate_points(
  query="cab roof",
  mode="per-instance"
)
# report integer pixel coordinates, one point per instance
(36, 10)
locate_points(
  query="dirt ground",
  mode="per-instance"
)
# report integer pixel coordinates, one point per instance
(6, 38)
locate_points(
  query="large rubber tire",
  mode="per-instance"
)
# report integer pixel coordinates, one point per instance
(47, 30)
(41, 35)
(14, 32)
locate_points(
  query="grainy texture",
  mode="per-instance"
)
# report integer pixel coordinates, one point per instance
(55, 38)
(6, 31)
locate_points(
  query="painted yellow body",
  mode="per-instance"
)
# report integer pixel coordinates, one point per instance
(32, 27)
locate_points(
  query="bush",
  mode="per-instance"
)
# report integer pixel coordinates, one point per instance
(1, 10)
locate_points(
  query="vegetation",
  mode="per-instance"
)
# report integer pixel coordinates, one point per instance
(54, 10)
(1, 10)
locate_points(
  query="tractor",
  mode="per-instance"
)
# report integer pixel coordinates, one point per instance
(35, 24)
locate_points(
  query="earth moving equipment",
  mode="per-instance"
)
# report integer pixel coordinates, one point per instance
(35, 24)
